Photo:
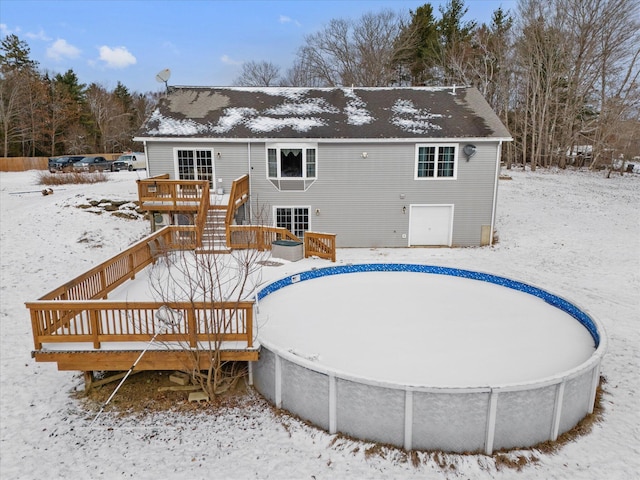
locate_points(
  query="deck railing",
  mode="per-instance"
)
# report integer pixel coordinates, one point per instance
(161, 194)
(103, 278)
(203, 324)
(259, 237)
(74, 312)
(322, 245)
(238, 196)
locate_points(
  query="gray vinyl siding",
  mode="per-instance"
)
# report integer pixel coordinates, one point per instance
(160, 159)
(231, 164)
(359, 199)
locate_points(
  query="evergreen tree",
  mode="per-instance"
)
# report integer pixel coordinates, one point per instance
(14, 54)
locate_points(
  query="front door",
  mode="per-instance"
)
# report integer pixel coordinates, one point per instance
(430, 225)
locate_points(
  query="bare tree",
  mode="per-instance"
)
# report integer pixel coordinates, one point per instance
(617, 87)
(10, 92)
(542, 66)
(213, 278)
(258, 74)
(577, 76)
(490, 68)
(110, 117)
(346, 53)
(299, 75)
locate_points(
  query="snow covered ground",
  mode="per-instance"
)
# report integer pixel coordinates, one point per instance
(576, 234)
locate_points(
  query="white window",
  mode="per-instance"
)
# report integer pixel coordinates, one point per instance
(294, 219)
(292, 166)
(436, 161)
(195, 165)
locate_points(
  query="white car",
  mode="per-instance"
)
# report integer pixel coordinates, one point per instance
(131, 161)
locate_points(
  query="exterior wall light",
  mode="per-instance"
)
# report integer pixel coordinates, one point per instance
(364, 155)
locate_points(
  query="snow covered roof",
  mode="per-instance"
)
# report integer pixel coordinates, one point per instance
(323, 113)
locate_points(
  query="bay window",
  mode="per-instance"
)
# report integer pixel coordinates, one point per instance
(291, 166)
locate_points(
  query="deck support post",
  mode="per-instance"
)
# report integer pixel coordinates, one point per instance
(88, 380)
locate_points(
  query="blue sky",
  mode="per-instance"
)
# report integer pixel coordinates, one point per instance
(202, 42)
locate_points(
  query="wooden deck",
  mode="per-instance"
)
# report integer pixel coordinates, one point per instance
(78, 327)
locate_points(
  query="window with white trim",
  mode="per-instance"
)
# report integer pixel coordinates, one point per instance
(294, 219)
(292, 166)
(195, 165)
(436, 161)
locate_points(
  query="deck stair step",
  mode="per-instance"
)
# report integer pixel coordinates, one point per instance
(214, 235)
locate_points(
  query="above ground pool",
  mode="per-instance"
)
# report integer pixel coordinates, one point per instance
(427, 358)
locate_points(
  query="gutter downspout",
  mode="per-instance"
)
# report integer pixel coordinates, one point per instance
(495, 193)
(249, 172)
(146, 156)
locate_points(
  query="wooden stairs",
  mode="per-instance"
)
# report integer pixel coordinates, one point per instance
(214, 234)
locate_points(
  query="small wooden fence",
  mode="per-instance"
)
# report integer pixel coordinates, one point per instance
(259, 237)
(21, 164)
(322, 245)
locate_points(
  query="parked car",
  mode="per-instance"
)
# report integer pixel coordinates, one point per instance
(131, 161)
(93, 164)
(63, 164)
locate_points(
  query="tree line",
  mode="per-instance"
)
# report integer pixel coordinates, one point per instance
(561, 74)
(46, 114)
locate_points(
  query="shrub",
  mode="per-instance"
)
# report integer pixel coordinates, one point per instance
(48, 178)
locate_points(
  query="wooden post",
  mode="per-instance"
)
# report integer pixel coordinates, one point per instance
(95, 328)
(191, 325)
(35, 328)
(248, 318)
(132, 266)
(88, 380)
(103, 282)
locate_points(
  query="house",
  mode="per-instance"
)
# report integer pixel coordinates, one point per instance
(377, 167)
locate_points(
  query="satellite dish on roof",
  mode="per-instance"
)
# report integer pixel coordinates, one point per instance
(163, 76)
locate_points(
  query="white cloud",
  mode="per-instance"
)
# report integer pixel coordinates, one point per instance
(285, 19)
(60, 49)
(118, 57)
(230, 61)
(38, 36)
(5, 30)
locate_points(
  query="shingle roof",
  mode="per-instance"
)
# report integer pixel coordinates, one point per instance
(323, 113)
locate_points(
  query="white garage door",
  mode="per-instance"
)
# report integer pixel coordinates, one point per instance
(430, 225)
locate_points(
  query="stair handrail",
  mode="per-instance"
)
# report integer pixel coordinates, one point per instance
(238, 196)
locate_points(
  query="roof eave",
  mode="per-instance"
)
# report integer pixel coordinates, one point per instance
(321, 140)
